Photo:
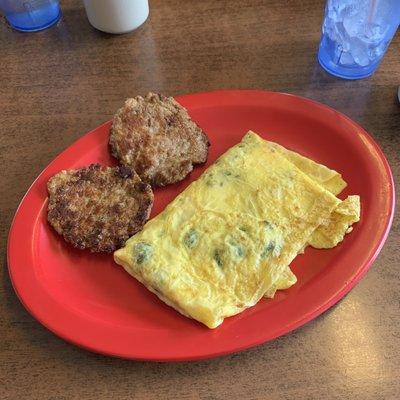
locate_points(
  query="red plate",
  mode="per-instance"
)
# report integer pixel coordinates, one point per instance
(92, 302)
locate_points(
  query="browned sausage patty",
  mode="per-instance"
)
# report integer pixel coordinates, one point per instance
(98, 207)
(155, 136)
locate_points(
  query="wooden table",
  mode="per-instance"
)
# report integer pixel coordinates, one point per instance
(58, 84)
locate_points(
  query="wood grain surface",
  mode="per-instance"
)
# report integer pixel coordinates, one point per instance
(57, 84)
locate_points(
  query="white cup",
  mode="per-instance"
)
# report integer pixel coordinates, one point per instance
(116, 16)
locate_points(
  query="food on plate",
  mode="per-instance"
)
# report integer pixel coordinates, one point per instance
(157, 138)
(228, 239)
(326, 236)
(328, 178)
(98, 207)
(332, 231)
(285, 280)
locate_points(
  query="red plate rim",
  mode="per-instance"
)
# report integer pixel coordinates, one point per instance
(220, 97)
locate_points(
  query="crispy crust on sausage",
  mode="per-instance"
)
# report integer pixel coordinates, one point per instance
(98, 207)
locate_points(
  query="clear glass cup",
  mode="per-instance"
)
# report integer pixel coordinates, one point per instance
(356, 35)
(31, 15)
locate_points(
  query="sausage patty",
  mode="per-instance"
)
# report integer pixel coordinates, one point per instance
(98, 207)
(156, 136)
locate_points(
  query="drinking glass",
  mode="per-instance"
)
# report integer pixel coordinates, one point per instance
(31, 15)
(356, 35)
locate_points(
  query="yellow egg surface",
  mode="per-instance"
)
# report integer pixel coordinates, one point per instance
(332, 231)
(327, 178)
(285, 280)
(225, 241)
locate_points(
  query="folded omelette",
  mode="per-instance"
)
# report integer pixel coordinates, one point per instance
(333, 230)
(228, 239)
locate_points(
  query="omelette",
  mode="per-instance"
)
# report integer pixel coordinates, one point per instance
(328, 178)
(228, 239)
(331, 233)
